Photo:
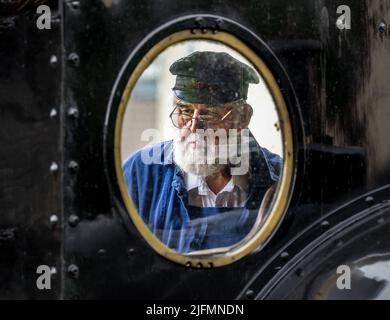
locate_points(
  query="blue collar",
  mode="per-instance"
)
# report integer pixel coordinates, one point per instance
(261, 172)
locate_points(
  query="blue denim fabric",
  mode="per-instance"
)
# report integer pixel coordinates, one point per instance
(160, 197)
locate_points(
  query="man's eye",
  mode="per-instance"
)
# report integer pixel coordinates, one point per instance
(186, 110)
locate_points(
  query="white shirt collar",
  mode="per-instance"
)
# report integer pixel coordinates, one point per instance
(192, 181)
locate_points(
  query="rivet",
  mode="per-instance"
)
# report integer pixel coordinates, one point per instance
(200, 265)
(299, 272)
(188, 264)
(382, 27)
(74, 58)
(101, 252)
(53, 219)
(131, 251)
(219, 23)
(73, 220)
(199, 21)
(204, 31)
(370, 200)
(73, 271)
(285, 255)
(75, 5)
(55, 19)
(9, 22)
(54, 167)
(325, 224)
(250, 294)
(340, 24)
(53, 113)
(73, 166)
(73, 112)
(210, 265)
(381, 220)
(53, 60)
(53, 271)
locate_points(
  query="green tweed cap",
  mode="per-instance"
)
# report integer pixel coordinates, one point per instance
(209, 77)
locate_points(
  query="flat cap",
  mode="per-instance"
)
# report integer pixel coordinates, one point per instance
(209, 77)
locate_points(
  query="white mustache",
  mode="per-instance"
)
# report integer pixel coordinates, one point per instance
(199, 143)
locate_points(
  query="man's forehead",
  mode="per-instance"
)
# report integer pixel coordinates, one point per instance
(201, 105)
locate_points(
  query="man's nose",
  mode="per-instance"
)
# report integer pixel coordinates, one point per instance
(190, 127)
(195, 123)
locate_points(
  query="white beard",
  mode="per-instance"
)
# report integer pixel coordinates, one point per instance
(194, 159)
(200, 160)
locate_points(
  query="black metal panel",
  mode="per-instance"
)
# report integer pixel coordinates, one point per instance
(30, 89)
(360, 242)
(104, 35)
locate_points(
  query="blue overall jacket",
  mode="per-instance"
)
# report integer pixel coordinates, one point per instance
(159, 194)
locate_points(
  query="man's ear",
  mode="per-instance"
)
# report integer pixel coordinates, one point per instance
(246, 115)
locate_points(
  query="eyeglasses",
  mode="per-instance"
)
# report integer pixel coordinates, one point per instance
(181, 119)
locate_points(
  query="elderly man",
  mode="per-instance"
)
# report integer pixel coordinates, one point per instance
(204, 188)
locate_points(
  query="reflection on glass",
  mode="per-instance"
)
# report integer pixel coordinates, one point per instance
(210, 183)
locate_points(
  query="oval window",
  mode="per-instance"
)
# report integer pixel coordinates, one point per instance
(204, 149)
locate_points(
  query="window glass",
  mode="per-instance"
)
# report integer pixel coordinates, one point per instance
(201, 148)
